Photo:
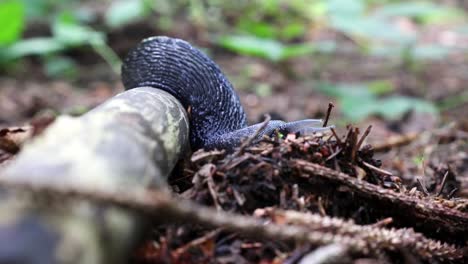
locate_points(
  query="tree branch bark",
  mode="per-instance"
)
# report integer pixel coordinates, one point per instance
(132, 141)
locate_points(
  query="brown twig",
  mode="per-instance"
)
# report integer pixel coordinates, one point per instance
(452, 193)
(213, 192)
(354, 145)
(327, 117)
(336, 136)
(372, 167)
(334, 154)
(423, 187)
(383, 222)
(348, 134)
(201, 240)
(361, 140)
(333, 253)
(442, 185)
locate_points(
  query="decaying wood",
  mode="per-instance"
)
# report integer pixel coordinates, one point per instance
(131, 142)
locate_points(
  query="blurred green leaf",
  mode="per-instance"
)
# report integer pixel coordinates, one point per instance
(370, 28)
(271, 49)
(124, 12)
(293, 30)
(259, 29)
(345, 8)
(67, 30)
(44, 9)
(71, 33)
(59, 66)
(356, 109)
(380, 87)
(313, 10)
(395, 106)
(270, 6)
(360, 101)
(360, 90)
(34, 8)
(351, 18)
(32, 46)
(297, 50)
(272, 31)
(11, 21)
(253, 46)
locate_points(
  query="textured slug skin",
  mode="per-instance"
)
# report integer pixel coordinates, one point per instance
(217, 119)
(175, 66)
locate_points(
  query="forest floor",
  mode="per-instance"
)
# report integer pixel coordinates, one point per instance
(427, 153)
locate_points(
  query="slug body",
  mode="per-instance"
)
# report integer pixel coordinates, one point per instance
(217, 119)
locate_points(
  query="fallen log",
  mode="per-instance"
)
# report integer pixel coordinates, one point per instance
(130, 142)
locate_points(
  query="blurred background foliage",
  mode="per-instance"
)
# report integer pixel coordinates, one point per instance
(278, 32)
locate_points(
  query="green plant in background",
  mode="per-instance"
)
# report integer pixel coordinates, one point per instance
(266, 30)
(275, 30)
(67, 33)
(121, 13)
(69, 28)
(370, 24)
(358, 101)
(12, 21)
(271, 49)
(267, 27)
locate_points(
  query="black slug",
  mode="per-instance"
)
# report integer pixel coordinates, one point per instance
(217, 119)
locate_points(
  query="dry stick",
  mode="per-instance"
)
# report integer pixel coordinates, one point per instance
(372, 167)
(330, 107)
(423, 187)
(334, 154)
(354, 146)
(210, 235)
(383, 222)
(348, 134)
(333, 253)
(163, 207)
(336, 136)
(364, 136)
(444, 181)
(213, 192)
(452, 193)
